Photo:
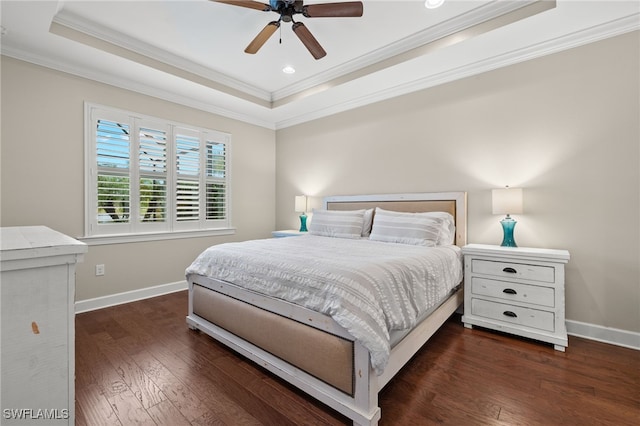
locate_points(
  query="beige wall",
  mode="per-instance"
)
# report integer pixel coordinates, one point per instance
(42, 174)
(564, 127)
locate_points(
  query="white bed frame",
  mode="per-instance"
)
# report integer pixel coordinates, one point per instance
(362, 407)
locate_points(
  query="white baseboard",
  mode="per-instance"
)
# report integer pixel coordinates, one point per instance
(613, 336)
(128, 296)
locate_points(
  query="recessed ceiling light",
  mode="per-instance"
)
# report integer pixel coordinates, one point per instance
(432, 4)
(288, 69)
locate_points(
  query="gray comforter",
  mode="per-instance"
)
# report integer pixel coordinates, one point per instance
(370, 288)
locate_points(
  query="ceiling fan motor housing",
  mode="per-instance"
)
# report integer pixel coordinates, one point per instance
(278, 5)
(287, 8)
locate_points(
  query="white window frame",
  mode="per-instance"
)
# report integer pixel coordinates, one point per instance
(136, 230)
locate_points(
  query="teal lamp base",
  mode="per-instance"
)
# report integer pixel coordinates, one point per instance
(303, 222)
(507, 226)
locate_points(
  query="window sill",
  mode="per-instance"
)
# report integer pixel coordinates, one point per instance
(98, 240)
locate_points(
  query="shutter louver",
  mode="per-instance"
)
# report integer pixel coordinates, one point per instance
(113, 161)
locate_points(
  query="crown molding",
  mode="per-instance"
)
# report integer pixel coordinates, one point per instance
(75, 27)
(566, 42)
(569, 41)
(361, 65)
(95, 30)
(134, 86)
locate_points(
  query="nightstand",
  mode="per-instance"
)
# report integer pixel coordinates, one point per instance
(287, 233)
(516, 290)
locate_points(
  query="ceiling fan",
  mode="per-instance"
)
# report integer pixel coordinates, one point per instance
(288, 8)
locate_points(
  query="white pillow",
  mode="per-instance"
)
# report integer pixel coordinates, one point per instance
(336, 223)
(423, 229)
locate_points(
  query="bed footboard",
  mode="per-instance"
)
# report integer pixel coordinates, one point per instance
(321, 354)
(340, 376)
(329, 365)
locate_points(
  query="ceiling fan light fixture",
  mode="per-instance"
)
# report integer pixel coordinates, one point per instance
(288, 69)
(433, 4)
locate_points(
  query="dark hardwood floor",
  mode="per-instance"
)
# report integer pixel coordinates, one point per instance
(139, 364)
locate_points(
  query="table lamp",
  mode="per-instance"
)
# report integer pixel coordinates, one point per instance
(507, 201)
(301, 207)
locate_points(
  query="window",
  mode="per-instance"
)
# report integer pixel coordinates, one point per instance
(149, 176)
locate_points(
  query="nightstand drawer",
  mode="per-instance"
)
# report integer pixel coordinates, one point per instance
(525, 293)
(527, 317)
(514, 270)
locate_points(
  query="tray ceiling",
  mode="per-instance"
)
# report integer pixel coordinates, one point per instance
(192, 51)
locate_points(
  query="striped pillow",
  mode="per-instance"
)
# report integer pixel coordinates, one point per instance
(421, 229)
(335, 223)
(447, 227)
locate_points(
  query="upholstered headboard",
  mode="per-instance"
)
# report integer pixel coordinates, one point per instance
(454, 203)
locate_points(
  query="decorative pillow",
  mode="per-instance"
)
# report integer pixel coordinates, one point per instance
(336, 223)
(448, 227)
(423, 229)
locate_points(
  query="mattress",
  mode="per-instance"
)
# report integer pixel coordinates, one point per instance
(372, 289)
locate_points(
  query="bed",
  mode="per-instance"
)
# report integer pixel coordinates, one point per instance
(300, 316)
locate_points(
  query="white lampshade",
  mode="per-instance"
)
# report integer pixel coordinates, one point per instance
(301, 203)
(507, 200)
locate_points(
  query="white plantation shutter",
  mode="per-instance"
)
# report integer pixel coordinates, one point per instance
(188, 155)
(216, 180)
(146, 175)
(153, 174)
(111, 173)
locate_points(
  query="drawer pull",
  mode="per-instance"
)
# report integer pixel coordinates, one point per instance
(509, 270)
(509, 291)
(510, 314)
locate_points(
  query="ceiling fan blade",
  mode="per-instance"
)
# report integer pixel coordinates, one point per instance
(247, 3)
(349, 9)
(308, 40)
(262, 37)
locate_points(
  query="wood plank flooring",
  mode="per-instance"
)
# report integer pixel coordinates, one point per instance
(138, 363)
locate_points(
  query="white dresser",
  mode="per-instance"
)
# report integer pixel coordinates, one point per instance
(37, 291)
(516, 290)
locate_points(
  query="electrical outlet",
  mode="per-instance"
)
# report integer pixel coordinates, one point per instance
(99, 270)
